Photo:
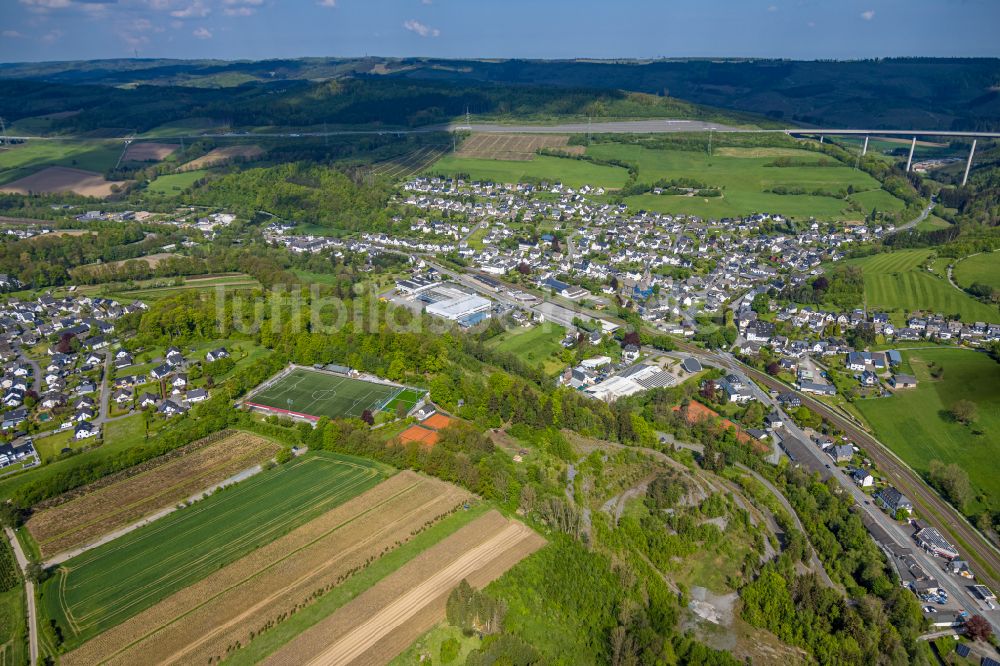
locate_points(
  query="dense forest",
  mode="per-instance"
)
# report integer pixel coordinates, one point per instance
(301, 192)
(881, 93)
(354, 101)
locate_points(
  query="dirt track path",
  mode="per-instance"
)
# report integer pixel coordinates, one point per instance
(370, 632)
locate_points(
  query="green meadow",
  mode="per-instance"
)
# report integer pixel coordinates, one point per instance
(982, 268)
(915, 424)
(538, 345)
(174, 183)
(898, 282)
(570, 172)
(24, 159)
(744, 174)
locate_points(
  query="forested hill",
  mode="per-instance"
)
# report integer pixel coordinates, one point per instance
(921, 93)
(366, 101)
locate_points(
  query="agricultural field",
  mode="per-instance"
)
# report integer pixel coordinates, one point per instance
(175, 182)
(982, 268)
(218, 156)
(105, 586)
(56, 179)
(898, 281)
(24, 159)
(915, 424)
(408, 165)
(514, 147)
(570, 172)
(385, 619)
(744, 175)
(234, 603)
(149, 151)
(314, 394)
(536, 346)
(84, 515)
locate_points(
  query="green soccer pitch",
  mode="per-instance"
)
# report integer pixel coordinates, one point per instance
(312, 394)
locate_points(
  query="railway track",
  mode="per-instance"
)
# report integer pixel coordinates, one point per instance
(928, 503)
(976, 547)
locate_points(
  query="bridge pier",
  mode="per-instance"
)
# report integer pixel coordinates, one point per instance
(864, 148)
(968, 163)
(909, 160)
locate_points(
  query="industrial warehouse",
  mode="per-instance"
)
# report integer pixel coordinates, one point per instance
(445, 300)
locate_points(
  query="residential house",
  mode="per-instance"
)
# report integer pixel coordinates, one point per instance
(216, 354)
(85, 429)
(862, 478)
(196, 395)
(841, 453)
(893, 501)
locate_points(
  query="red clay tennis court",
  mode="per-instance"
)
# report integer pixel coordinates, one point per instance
(436, 421)
(416, 433)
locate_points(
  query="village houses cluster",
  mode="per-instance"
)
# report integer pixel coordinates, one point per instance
(59, 355)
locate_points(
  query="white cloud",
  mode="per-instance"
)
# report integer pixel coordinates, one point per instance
(47, 4)
(413, 25)
(241, 7)
(327, 3)
(195, 9)
(868, 15)
(772, 8)
(52, 36)
(202, 33)
(811, 24)
(11, 34)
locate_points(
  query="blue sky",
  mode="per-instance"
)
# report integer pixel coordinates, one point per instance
(32, 30)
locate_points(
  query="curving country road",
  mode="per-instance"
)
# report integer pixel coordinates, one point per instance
(29, 588)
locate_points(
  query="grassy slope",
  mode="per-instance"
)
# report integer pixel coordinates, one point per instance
(573, 173)
(983, 268)
(106, 585)
(932, 222)
(914, 425)
(535, 345)
(269, 641)
(743, 178)
(118, 435)
(897, 281)
(27, 158)
(175, 182)
(879, 199)
(13, 628)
